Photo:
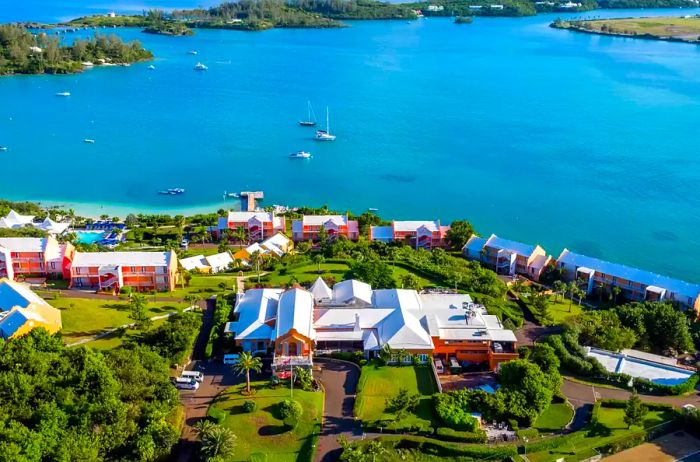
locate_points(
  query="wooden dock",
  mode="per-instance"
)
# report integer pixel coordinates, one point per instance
(249, 200)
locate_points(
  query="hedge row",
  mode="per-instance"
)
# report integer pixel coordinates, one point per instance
(436, 448)
(621, 404)
(449, 434)
(397, 426)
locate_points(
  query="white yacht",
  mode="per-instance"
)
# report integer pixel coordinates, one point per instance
(151, 67)
(191, 52)
(89, 141)
(325, 135)
(200, 67)
(63, 93)
(3, 148)
(300, 155)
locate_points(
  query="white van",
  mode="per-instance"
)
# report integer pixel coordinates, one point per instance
(232, 359)
(183, 383)
(194, 375)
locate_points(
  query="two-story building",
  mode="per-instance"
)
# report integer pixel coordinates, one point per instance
(35, 256)
(110, 271)
(634, 284)
(418, 234)
(258, 225)
(309, 226)
(508, 257)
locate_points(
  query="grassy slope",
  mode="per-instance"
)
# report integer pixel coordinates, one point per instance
(260, 431)
(554, 418)
(561, 309)
(379, 383)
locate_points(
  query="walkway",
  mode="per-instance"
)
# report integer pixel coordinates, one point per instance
(339, 379)
(588, 394)
(109, 332)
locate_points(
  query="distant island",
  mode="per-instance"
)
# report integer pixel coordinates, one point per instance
(152, 22)
(676, 29)
(22, 52)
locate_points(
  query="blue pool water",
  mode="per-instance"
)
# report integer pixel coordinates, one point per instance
(90, 237)
(540, 135)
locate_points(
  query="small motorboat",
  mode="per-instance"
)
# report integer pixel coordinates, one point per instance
(200, 67)
(63, 93)
(373, 209)
(171, 191)
(89, 141)
(300, 155)
(191, 52)
(231, 195)
(3, 148)
(151, 67)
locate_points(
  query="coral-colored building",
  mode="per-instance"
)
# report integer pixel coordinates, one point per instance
(508, 257)
(110, 271)
(418, 234)
(258, 225)
(35, 256)
(309, 226)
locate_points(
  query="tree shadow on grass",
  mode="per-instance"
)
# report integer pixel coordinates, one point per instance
(596, 429)
(272, 430)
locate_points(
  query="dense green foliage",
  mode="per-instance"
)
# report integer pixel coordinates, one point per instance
(374, 272)
(217, 340)
(59, 403)
(453, 410)
(175, 337)
(23, 53)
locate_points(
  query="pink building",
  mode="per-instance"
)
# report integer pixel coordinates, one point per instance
(418, 234)
(34, 256)
(258, 225)
(308, 227)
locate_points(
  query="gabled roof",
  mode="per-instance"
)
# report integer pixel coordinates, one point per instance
(318, 220)
(407, 226)
(474, 245)
(512, 246)
(122, 258)
(403, 299)
(24, 244)
(191, 263)
(13, 294)
(219, 261)
(52, 227)
(351, 291)
(295, 310)
(278, 240)
(320, 290)
(255, 308)
(647, 278)
(239, 217)
(14, 220)
(402, 330)
(21, 307)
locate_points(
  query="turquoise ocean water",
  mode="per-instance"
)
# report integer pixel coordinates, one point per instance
(536, 134)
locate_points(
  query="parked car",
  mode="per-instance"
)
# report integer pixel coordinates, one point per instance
(184, 383)
(195, 375)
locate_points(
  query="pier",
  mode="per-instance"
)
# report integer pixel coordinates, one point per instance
(249, 200)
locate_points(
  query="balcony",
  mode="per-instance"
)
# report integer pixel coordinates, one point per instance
(282, 363)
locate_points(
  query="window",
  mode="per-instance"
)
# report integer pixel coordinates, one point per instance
(53, 265)
(422, 358)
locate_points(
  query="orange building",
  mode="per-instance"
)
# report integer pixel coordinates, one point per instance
(35, 256)
(418, 234)
(110, 271)
(258, 225)
(309, 226)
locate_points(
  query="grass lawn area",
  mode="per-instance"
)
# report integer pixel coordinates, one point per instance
(609, 428)
(657, 26)
(377, 384)
(261, 435)
(83, 317)
(114, 341)
(204, 285)
(554, 418)
(560, 309)
(306, 274)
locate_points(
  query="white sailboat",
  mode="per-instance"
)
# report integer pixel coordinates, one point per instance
(325, 135)
(310, 118)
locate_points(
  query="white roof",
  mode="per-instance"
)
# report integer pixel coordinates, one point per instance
(24, 244)
(647, 278)
(443, 301)
(219, 261)
(351, 291)
(339, 335)
(246, 216)
(52, 227)
(320, 290)
(278, 240)
(474, 245)
(14, 219)
(403, 299)
(255, 308)
(511, 246)
(402, 330)
(191, 263)
(414, 225)
(295, 310)
(318, 220)
(344, 318)
(122, 258)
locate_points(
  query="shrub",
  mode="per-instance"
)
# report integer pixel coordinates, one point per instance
(513, 424)
(290, 411)
(452, 409)
(249, 406)
(449, 434)
(217, 415)
(403, 402)
(529, 433)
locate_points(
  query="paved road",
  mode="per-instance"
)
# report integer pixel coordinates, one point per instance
(339, 379)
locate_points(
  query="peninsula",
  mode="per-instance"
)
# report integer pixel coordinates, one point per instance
(21, 52)
(675, 29)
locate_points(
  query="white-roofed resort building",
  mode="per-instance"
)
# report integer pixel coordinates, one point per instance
(296, 324)
(508, 257)
(258, 225)
(308, 227)
(35, 256)
(418, 234)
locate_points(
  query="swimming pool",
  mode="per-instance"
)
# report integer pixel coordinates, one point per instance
(661, 374)
(90, 237)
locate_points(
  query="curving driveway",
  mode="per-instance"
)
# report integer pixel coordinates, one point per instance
(339, 379)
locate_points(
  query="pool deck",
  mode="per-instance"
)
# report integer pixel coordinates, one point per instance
(658, 372)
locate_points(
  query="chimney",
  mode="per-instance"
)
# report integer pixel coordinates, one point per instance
(357, 323)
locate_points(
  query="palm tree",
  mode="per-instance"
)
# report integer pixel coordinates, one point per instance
(246, 363)
(559, 287)
(374, 449)
(616, 291)
(218, 442)
(255, 260)
(318, 260)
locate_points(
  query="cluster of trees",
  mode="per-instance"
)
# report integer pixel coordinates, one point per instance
(67, 404)
(23, 53)
(174, 338)
(650, 326)
(528, 386)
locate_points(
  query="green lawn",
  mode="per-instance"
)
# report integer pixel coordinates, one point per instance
(609, 428)
(377, 384)
(554, 418)
(562, 308)
(204, 285)
(261, 435)
(82, 317)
